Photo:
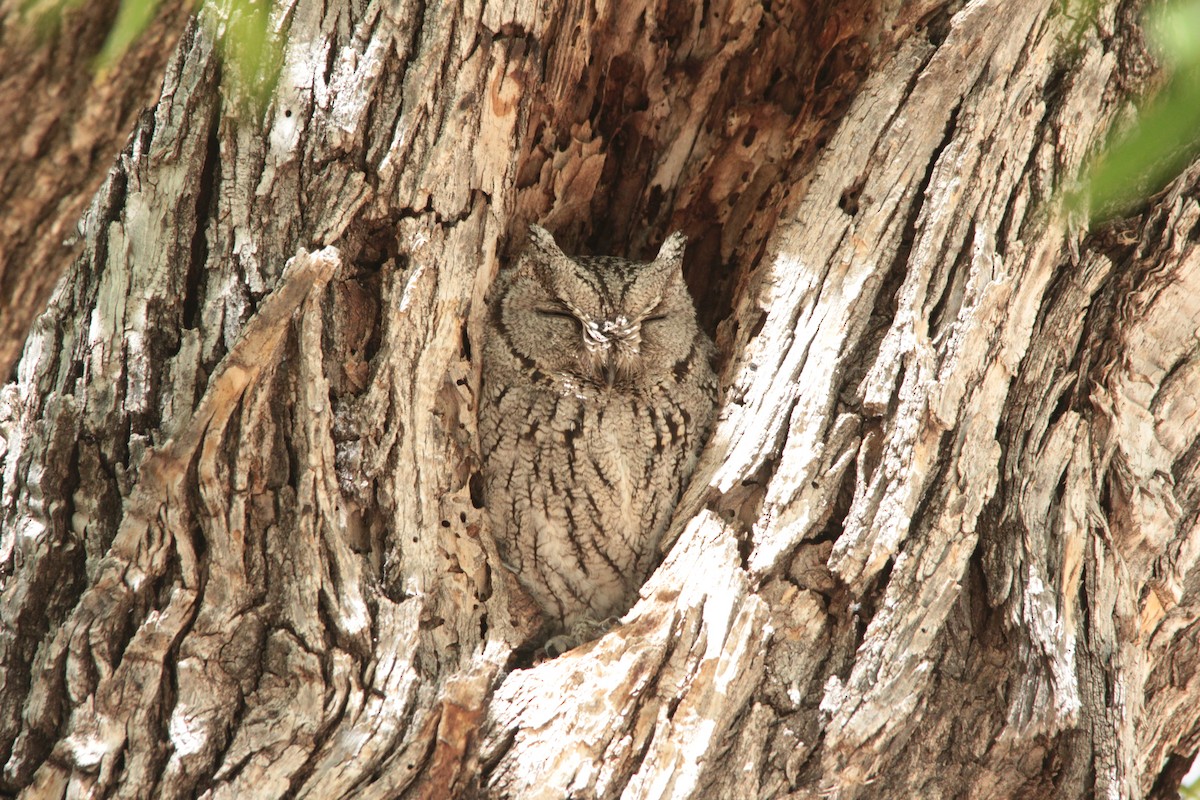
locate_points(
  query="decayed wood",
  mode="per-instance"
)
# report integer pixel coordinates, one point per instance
(61, 123)
(941, 543)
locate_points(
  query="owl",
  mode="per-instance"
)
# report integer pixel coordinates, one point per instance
(597, 392)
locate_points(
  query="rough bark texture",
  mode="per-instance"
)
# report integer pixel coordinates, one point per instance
(61, 124)
(941, 544)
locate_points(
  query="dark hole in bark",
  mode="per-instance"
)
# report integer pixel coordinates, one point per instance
(476, 487)
(848, 202)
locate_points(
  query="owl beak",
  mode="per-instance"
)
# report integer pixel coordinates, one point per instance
(610, 368)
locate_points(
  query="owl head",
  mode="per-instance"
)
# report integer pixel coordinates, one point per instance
(608, 322)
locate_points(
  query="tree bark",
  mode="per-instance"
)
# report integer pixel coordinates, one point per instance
(941, 543)
(61, 123)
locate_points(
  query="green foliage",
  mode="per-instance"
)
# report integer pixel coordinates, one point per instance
(1166, 135)
(132, 18)
(252, 55)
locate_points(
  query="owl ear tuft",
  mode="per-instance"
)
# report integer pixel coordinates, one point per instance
(542, 241)
(554, 268)
(671, 252)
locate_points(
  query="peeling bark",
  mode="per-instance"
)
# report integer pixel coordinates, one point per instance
(942, 542)
(61, 123)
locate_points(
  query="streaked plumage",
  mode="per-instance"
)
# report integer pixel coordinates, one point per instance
(598, 392)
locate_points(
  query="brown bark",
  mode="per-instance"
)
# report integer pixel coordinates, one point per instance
(942, 542)
(61, 124)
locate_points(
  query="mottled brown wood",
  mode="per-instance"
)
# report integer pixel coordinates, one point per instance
(942, 542)
(61, 123)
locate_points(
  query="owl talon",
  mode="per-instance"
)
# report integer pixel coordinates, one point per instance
(583, 631)
(557, 645)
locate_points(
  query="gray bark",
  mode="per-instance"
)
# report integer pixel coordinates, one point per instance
(61, 122)
(941, 544)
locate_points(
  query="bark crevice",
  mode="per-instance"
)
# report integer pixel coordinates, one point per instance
(947, 516)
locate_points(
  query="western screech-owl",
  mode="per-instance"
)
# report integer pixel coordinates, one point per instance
(598, 391)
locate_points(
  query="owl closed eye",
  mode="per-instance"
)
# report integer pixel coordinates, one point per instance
(604, 321)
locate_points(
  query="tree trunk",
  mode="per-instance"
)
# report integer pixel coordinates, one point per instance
(61, 124)
(940, 544)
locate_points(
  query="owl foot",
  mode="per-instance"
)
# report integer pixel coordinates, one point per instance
(584, 630)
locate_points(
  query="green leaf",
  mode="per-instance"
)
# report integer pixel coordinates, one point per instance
(1166, 135)
(1175, 30)
(132, 18)
(252, 54)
